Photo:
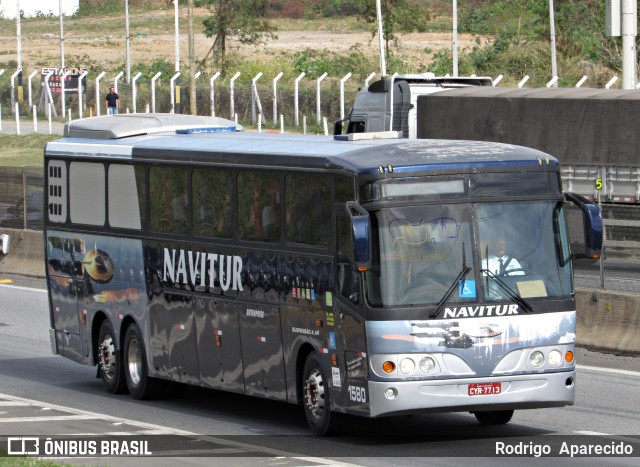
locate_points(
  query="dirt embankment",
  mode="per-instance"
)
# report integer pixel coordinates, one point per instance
(101, 41)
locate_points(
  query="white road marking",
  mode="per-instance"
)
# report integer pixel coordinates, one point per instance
(231, 447)
(609, 370)
(48, 418)
(29, 289)
(91, 415)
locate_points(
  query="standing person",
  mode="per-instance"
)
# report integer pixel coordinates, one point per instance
(112, 101)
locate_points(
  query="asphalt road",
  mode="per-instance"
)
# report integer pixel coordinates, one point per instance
(43, 394)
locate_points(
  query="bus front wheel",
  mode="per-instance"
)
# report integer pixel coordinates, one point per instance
(316, 399)
(110, 360)
(140, 385)
(495, 417)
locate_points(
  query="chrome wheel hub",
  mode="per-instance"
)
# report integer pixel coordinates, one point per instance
(314, 393)
(134, 361)
(107, 355)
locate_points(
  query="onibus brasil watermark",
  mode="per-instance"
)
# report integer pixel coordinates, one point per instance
(35, 446)
(566, 448)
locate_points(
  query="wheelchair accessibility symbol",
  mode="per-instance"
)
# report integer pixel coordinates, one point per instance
(467, 289)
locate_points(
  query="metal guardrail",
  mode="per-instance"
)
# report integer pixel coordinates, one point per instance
(617, 232)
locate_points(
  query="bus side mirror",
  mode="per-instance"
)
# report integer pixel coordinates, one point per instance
(337, 127)
(591, 226)
(361, 234)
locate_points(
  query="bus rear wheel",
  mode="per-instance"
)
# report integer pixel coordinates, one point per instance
(494, 417)
(316, 399)
(140, 385)
(110, 360)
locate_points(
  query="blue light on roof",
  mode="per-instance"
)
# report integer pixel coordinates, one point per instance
(211, 129)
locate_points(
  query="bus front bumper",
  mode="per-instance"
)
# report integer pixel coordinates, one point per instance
(515, 392)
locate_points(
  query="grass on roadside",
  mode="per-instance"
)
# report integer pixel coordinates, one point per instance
(16, 461)
(16, 151)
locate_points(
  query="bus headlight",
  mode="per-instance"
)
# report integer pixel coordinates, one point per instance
(555, 358)
(537, 358)
(407, 366)
(427, 364)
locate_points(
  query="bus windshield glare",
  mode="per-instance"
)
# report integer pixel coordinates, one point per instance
(419, 251)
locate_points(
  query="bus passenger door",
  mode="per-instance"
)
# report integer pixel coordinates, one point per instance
(219, 349)
(262, 356)
(64, 273)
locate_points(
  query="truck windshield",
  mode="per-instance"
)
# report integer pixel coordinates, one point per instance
(418, 251)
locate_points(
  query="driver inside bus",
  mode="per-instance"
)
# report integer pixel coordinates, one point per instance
(500, 262)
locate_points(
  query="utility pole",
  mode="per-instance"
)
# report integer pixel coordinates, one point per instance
(19, 39)
(454, 41)
(61, 37)
(554, 62)
(127, 41)
(176, 103)
(192, 59)
(629, 52)
(622, 20)
(383, 65)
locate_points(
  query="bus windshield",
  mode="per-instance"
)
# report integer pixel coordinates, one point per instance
(420, 252)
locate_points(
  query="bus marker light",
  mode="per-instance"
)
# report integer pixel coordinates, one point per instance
(362, 269)
(388, 367)
(218, 341)
(568, 356)
(83, 317)
(555, 357)
(334, 359)
(407, 366)
(319, 323)
(390, 393)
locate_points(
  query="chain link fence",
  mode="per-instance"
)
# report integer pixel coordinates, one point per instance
(21, 197)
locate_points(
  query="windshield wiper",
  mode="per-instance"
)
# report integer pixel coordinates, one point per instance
(508, 291)
(445, 298)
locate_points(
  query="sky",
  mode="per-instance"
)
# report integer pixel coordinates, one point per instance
(30, 7)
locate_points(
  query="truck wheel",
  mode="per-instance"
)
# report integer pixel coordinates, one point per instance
(495, 417)
(110, 360)
(316, 399)
(140, 385)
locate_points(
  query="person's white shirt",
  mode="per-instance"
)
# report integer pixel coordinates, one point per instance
(503, 265)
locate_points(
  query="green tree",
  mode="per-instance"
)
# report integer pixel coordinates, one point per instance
(397, 16)
(244, 20)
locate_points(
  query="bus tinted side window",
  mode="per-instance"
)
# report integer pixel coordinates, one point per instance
(124, 207)
(168, 199)
(258, 206)
(87, 194)
(212, 203)
(344, 190)
(308, 209)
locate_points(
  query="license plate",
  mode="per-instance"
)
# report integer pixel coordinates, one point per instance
(484, 389)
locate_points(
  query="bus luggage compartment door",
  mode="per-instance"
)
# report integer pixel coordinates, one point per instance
(262, 356)
(219, 349)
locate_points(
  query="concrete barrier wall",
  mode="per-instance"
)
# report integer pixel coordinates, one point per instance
(26, 254)
(608, 321)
